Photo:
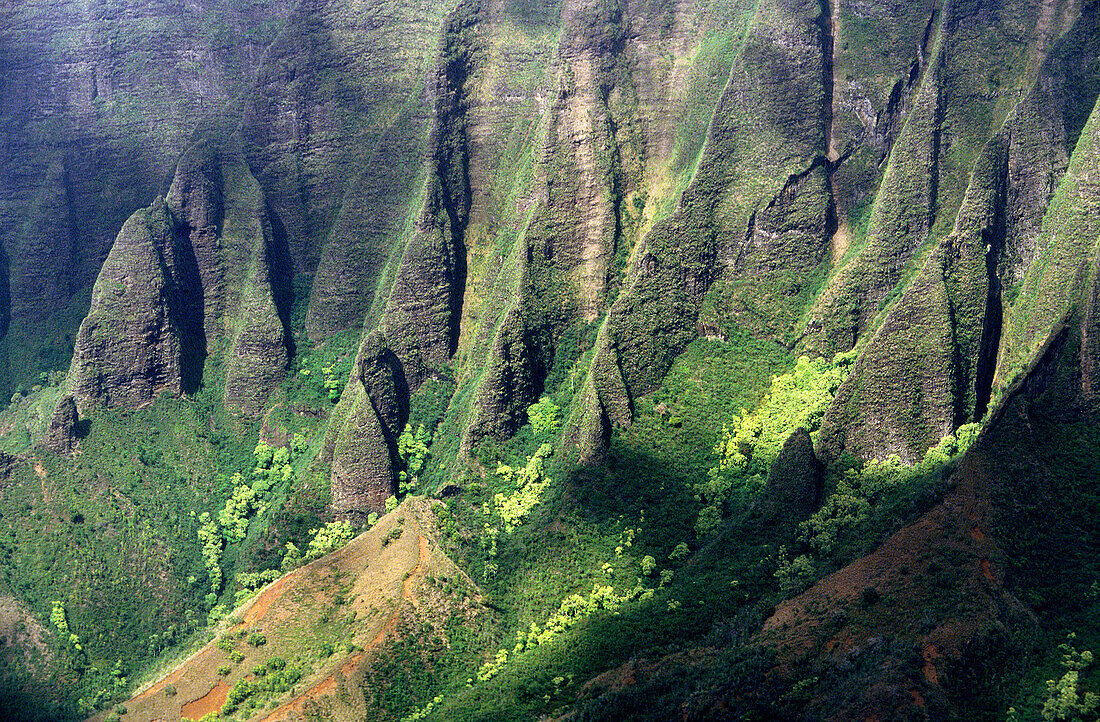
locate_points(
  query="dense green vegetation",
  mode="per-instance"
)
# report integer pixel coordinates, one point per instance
(168, 516)
(700, 252)
(660, 546)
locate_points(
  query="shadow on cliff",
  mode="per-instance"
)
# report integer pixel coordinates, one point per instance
(945, 618)
(282, 276)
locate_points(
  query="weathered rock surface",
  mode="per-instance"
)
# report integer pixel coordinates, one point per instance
(335, 131)
(96, 103)
(361, 441)
(182, 276)
(773, 96)
(128, 348)
(930, 366)
(793, 489)
(61, 435)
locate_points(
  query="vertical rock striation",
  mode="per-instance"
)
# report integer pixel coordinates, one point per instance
(930, 366)
(183, 276)
(96, 102)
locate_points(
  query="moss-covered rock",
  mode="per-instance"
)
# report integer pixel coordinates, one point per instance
(188, 273)
(99, 100)
(62, 433)
(766, 132)
(793, 489)
(128, 348)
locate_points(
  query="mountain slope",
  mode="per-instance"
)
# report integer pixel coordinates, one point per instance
(690, 312)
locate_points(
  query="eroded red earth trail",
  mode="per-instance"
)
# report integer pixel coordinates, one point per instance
(330, 684)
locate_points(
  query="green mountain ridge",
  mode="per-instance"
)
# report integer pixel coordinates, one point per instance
(748, 345)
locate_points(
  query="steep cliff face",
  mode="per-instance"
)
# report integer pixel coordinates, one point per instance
(361, 440)
(538, 188)
(761, 161)
(335, 130)
(190, 277)
(630, 208)
(930, 366)
(1000, 535)
(98, 100)
(128, 348)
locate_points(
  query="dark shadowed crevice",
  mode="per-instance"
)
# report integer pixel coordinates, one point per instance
(281, 269)
(5, 291)
(452, 164)
(993, 239)
(832, 222)
(76, 242)
(960, 409)
(825, 26)
(187, 310)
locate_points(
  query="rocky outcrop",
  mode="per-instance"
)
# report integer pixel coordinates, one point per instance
(182, 276)
(423, 315)
(362, 469)
(128, 348)
(361, 440)
(335, 130)
(793, 488)
(1064, 244)
(96, 103)
(258, 351)
(61, 434)
(930, 366)
(774, 95)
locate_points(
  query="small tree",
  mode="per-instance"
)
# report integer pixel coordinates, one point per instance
(544, 416)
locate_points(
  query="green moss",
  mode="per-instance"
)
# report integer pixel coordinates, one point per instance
(1068, 237)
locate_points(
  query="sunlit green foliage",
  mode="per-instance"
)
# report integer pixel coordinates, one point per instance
(275, 680)
(529, 484)
(544, 416)
(329, 538)
(233, 517)
(865, 505)
(1064, 700)
(211, 541)
(414, 453)
(748, 448)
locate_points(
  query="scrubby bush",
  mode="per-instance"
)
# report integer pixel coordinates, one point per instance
(544, 416)
(329, 538)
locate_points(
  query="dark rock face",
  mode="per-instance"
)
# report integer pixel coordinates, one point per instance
(362, 470)
(61, 435)
(793, 489)
(423, 315)
(128, 348)
(96, 103)
(931, 365)
(709, 245)
(361, 441)
(258, 354)
(181, 276)
(335, 130)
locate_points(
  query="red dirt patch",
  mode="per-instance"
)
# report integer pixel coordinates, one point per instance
(930, 654)
(212, 701)
(267, 597)
(326, 686)
(421, 568)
